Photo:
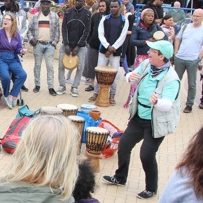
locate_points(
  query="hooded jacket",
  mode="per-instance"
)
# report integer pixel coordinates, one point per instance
(22, 192)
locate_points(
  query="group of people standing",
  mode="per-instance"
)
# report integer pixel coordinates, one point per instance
(44, 32)
(109, 34)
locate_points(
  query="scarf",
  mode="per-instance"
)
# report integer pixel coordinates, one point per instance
(154, 71)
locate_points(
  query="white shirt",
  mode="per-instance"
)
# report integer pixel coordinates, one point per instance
(191, 42)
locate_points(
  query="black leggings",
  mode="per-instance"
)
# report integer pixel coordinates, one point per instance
(137, 130)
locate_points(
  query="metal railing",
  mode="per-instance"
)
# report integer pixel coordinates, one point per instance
(139, 7)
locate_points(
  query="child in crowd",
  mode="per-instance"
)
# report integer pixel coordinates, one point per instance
(168, 27)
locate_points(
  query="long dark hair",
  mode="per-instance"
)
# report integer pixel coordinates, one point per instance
(166, 17)
(107, 6)
(12, 6)
(193, 161)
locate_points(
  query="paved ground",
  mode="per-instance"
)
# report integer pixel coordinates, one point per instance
(168, 155)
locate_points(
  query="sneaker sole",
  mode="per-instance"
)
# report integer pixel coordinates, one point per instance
(139, 197)
(6, 103)
(110, 183)
(187, 111)
(60, 93)
(74, 95)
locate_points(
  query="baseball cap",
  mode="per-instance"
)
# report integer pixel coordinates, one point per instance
(165, 47)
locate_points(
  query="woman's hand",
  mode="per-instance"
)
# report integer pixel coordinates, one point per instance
(134, 77)
(154, 98)
(23, 51)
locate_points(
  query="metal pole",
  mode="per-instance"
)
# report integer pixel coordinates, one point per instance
(192, 2)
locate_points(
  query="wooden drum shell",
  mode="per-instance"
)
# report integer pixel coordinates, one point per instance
(68, 109)
(105, 78)
(96, 140)
(79, 122)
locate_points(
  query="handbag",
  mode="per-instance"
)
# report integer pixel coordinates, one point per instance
(25, 111)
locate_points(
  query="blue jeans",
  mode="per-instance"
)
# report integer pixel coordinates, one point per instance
(47, 51)
(10, 64)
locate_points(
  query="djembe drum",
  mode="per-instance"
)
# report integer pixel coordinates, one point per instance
(105, 78)
(96, 140)
(70, 62)
(158, 35)
(79, 123)
(68, 109)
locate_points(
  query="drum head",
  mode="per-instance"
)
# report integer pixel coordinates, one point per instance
(70, 62)
(87, 107)
(105, 69)
(67, 106)
(97, 130)
(158, 35)
(76, 118)
(50, 110)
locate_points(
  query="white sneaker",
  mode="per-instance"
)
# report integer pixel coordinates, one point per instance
(74, 92)
(7, 102)
(61, 90)
(14, 102)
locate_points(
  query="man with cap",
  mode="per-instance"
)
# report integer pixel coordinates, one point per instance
(154, 113)
(43, 35)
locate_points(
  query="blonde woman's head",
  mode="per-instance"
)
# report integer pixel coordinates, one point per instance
(46, 154)
(10, 23)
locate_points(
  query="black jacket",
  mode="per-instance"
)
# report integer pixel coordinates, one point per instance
(141, 34)
(76, 27)
(93, 39)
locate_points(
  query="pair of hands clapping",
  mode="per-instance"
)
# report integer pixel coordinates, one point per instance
(137, 77)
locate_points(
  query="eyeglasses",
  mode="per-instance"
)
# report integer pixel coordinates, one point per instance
(7, 19)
